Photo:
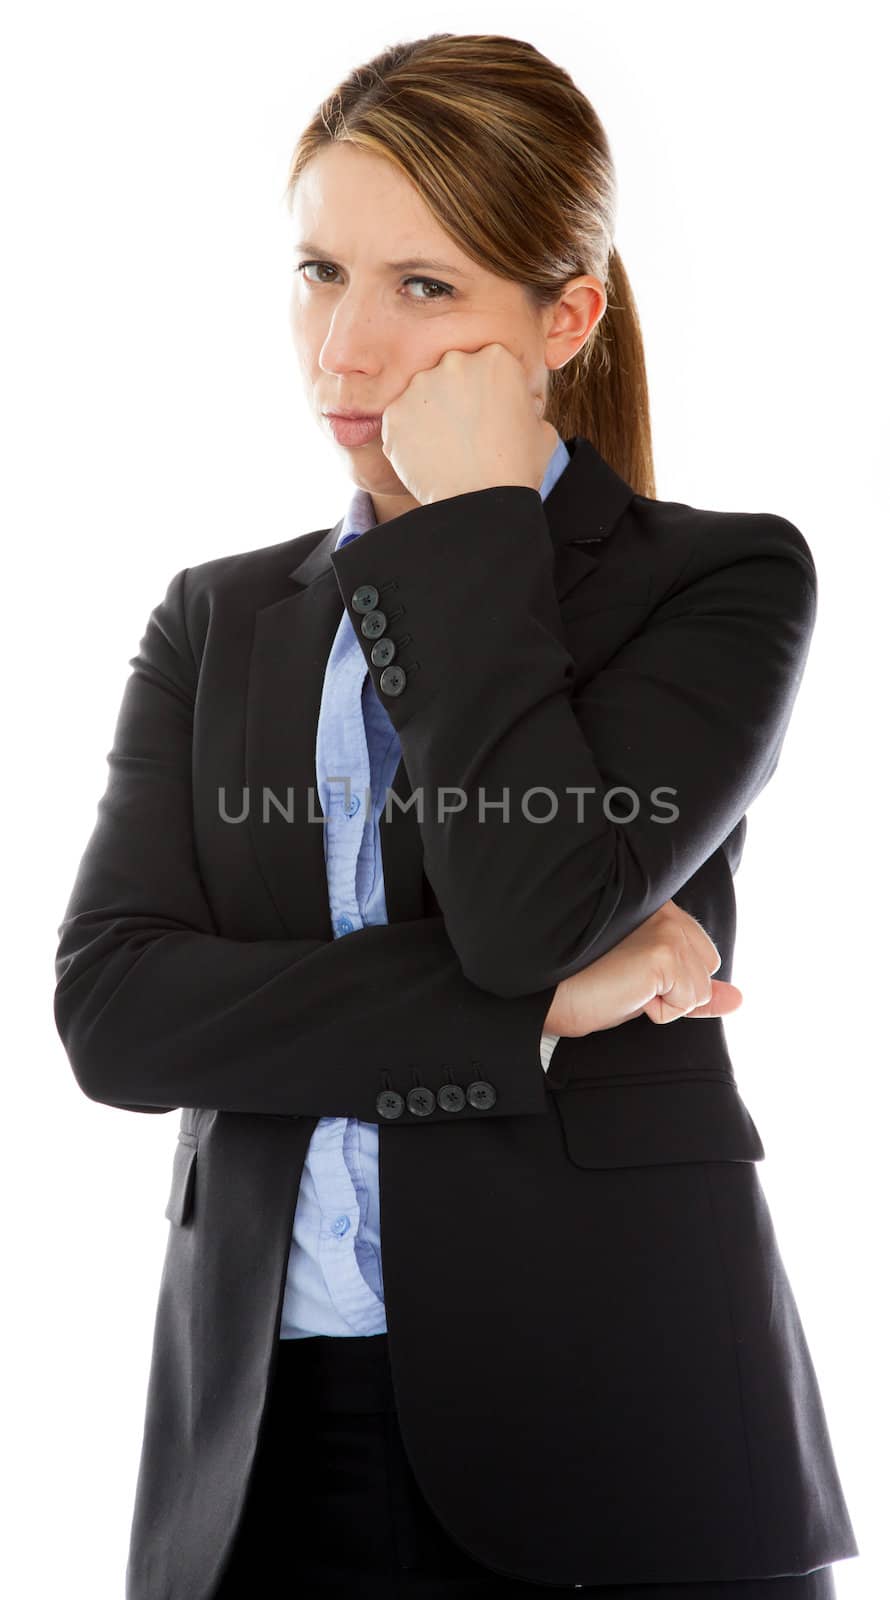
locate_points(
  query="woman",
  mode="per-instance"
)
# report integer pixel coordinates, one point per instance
(470, 1282)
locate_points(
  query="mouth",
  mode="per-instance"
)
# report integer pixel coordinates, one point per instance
(353, 416)
(353, 427)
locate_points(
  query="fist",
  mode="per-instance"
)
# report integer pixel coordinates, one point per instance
(473, 421)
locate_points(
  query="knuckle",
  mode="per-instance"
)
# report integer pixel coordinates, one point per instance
(665, 954)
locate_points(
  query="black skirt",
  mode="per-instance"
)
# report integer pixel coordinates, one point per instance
(333, 1504)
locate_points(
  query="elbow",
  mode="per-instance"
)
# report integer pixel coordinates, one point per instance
(509, 972)
(555, 926)
(108, 1065)
(82, 1060)
(75, 1020)
(498, 981)
(510, 966)
(95, 1080)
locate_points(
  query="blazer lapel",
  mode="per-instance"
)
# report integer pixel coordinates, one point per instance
(291, 644)
(292, 641)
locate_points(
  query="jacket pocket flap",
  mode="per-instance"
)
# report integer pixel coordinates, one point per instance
(664, 1120)
(179, 1205)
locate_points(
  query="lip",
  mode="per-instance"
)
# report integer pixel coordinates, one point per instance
(354, 416)
(354, 431)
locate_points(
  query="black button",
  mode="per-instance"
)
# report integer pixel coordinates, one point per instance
(421, 1101)
(451, 1097)
(383, 652)
(393, 680)
(373, 624)
(481, 1094)
(390, 1103)
(365, 598)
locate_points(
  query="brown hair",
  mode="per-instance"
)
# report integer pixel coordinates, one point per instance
(513, 162)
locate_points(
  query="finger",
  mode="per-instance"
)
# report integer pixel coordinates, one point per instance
(701, 942)
(725, 997)
(689, 991)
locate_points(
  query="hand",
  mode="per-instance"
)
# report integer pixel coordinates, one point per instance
(663, 969)
(474, 421)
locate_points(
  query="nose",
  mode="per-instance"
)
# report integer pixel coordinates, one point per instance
(355, 338)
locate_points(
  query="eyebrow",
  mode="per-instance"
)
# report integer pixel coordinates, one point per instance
(307, 247)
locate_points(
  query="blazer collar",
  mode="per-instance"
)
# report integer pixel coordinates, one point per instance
(582, 508)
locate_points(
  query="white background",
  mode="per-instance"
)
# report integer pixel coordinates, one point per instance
(153, 419)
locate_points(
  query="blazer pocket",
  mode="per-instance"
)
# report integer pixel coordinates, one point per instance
(661, 1120)
(182, 1188)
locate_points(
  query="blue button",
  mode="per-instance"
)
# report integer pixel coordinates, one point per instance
(340, 1225)
(353, 805)
(343, 924)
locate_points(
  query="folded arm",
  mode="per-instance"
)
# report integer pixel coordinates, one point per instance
(688, 716)
(157, 1010)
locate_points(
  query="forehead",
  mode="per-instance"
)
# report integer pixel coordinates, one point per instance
(350, 201)
(342, 177)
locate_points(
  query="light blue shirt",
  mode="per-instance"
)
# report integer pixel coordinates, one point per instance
(334, 1280)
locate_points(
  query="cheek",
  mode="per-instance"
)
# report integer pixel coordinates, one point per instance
(304, 313)
(307, 340)
(483, 327)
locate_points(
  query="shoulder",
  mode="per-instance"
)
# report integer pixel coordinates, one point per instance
(681, 542)
(267, 566)
(224, 589)
(694, 559)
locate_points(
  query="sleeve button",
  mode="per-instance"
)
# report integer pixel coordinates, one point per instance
(421, 1101)
(383, 652)
(390, 1103)
(373, 624)
(393, 680)
(451, 1097)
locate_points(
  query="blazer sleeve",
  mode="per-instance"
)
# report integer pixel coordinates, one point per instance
(157, 1010)
(647, 763)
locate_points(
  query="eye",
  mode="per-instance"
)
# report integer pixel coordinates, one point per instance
(431, 283)
(445, 289)
(299, 268)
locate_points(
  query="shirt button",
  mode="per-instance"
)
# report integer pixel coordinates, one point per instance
(343, 924)
(340, 1225)
(353, 805)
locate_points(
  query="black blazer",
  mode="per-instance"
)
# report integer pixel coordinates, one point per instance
(646, 1410)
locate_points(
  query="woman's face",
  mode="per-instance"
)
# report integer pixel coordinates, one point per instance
(362, 322)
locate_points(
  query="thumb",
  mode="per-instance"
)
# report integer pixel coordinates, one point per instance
(725, 997)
